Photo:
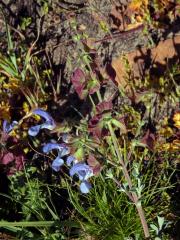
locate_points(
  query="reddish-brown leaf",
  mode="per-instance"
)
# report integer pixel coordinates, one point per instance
(78, 80)
(94, 164)
(149, 140)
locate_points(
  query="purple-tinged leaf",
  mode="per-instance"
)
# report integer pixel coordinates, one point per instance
(149, 140)
(94, 164)
(79, 82)
(104, 107)
(7, 158)
(13, 161)
(95, 126)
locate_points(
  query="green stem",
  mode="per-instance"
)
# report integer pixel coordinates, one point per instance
(129, 181)
(99, 96)
(92, 102)
(26, 224)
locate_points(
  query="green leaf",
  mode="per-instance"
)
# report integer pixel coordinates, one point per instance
(154, 228)
(79, 154)
(10, 47)
(109, 174)
(137, 143)
(26, 224)
(104, 198)
(160, 222)
(77, 38)
(120, 125)
(45, 8)
(8, 70)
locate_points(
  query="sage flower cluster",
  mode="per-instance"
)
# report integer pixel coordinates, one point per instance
(81, 169)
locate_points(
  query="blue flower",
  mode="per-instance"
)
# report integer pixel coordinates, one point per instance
(63, 150)
(85, 186)
(66, 138)
(57, 163)
(7, 127)
(84, 172)
(48, 124)
(71, 159)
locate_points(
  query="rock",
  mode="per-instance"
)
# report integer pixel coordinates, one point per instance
(143, 59)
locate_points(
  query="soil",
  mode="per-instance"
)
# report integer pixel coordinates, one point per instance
(55, 32)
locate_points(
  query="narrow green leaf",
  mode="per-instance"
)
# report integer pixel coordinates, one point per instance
(9, 70)
(160, 222)
(154, 228)
(26, 224)
(10, 47)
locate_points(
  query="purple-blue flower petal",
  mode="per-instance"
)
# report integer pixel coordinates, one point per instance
(63, 150)
(78, 167)
(66, 137)
(57, 163)
(48, 124)
(7, 127)
(82, 175)
(33, 131)
(50, 146)
(43, 114)
(85, 187)
(70, 159)
(82, 170)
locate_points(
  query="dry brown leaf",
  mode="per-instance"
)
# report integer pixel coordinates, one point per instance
(136, 5)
